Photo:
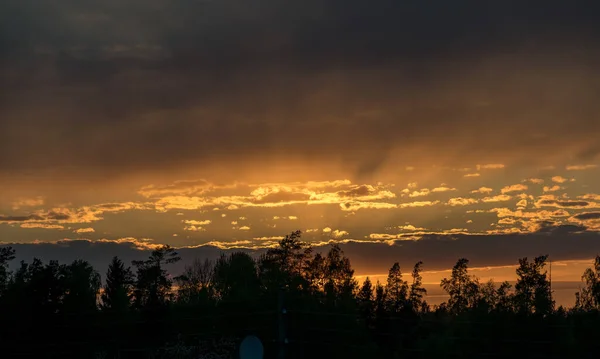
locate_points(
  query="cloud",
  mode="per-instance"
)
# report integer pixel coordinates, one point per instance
(591, 196)
(438, 251)
(178, 188)
(493, 166)
(514, 188)
(483, 190)
(421, 193)
(41, 226)
(443, 189)
(588, 216)
(326, 230)
(497, 198)
(84, 230)
(197, 223)
(193, 228)
(459, 201)
(535, 180)
(77, 68)
(559, 179)
(196, 226)
(339, 233)
(552, 189)
(566, 204)
(418, 204)
(472, 175)
(244, 228)
(580, 167)
(28, 202)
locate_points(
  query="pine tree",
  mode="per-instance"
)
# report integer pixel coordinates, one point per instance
(117, 291)
(365, 300)
(153, 286)
(417, 291)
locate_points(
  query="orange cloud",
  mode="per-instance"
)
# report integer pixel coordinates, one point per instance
(551, 189)
(84, 230)
(460, 201)
(559, 179)
(498, 198)
(443, 189)
(483, 190)
(580, 167)
(27, 202)
(514, 188)
(42, 225)
(493, 166)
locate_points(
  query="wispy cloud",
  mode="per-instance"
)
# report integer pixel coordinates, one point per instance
(84, 230)
(514, 188)
(551, 189)
(483, 190)
(559, 179)
(492, 166)
(581, 167)
(28, 202)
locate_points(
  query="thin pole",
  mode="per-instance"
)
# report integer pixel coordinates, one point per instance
(551, 282)
(280, 316)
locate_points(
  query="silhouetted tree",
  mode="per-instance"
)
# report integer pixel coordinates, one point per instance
(7, 254)
(286, 265)
(532, 291)
(81, 286)
(153, 285)
(462, 288)
(415, 296)
(118, 289)
(235, 278)
(366, 304)
(341, 285)
(396, 290)
(589, 296)
(195, 284)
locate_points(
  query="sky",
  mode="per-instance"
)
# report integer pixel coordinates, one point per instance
(402, 130)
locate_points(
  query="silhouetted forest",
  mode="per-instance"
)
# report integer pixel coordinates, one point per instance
(300, 303)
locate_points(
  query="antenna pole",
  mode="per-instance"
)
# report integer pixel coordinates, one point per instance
(281, 323)
(550, 281)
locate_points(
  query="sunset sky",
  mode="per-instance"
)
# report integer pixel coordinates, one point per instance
(404, 130)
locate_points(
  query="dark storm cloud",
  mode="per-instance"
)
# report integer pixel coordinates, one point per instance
(100, 253)
(124, 85)
(31, 217)
(590, 216)
(437, 251)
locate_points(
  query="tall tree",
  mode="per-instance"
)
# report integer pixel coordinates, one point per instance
(532, 290)
(7, 254)
(396, 289)
(286, 265)
(236, 278)
(195, 284)
(417, 291)
(153, 285)
(82, 284)
(589, 296)
(118, 289)
(341, 285)
(462, 288)
(365, 299)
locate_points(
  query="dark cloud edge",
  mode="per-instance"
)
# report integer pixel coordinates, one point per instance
(438, 252)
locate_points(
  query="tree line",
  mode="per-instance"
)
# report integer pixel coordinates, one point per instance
(65, 310)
